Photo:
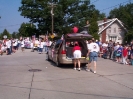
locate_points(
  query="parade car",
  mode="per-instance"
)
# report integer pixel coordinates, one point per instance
(60, 50)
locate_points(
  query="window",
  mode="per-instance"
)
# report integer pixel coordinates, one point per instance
(113, 38)
(114, 30)
(109, 30)
(52, 45)
(58, 43)
(120, 30)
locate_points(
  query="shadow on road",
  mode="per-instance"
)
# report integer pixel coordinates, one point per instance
(66, 66)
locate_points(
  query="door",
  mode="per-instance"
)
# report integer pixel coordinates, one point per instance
(56, 50)
(50, 50)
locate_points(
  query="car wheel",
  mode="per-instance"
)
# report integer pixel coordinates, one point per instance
(58, 63)
(48, 57)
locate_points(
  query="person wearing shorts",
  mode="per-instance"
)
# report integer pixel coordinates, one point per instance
(93, 50)
(22, 45)
(76, 55)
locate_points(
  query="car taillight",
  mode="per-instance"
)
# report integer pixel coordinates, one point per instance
(63, 52)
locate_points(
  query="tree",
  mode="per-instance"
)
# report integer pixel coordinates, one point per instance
(124, 13)
(5, 32)
(15, 35)
(27, 29)
(93, 28)
(67, 13)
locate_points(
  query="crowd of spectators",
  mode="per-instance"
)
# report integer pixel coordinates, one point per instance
(10, 46)
(121, 53)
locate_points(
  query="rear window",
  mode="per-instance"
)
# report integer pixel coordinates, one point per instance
(71, 43)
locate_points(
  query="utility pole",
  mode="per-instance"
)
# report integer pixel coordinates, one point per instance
(52, 5)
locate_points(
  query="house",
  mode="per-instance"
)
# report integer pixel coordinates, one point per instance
(111, 29)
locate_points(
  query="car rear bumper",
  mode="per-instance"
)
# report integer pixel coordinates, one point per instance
(66, 60)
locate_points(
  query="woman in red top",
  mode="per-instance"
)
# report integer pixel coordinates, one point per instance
(77, 55)
(125, 54)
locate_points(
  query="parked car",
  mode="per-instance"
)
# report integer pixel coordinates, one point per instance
(60, 51)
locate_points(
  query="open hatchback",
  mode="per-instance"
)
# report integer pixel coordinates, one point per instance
(61, 50)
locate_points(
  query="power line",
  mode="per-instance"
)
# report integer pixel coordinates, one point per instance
(9, 25)
(94, 1)
(114, 6)
(91, 3)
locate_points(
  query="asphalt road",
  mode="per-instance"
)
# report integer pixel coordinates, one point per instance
(112, 81)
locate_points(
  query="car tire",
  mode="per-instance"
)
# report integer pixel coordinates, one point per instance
(48, 57)
(58, 64)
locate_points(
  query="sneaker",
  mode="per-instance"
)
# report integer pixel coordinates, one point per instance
(94, 72)
(79, 69)
(88, 70)
(74, 68)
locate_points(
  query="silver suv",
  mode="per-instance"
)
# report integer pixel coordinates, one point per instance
(60, 51)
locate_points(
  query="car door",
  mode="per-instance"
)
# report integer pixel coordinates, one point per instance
(50, 50)
(56, 50)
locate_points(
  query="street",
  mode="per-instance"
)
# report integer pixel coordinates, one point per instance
(28, 75)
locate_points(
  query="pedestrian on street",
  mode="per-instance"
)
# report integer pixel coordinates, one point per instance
(125, 54)
(41, 47)
(77, 55)
(8, 44)
(93, 50)
(22, 45)
(32, 46)
(110, 48)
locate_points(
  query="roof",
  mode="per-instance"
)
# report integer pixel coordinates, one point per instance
(109, 22)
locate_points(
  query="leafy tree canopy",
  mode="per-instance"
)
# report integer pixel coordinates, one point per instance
(5, 32)
(93, 28)
(27, 30)
(67, 13)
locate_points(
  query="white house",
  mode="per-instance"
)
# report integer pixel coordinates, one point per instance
(111, 29)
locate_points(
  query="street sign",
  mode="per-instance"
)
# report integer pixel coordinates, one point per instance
(5, 36)
(52, 36)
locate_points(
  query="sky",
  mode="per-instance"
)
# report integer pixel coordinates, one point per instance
(11, 18)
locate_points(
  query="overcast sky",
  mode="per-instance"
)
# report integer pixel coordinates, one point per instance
(11, 19)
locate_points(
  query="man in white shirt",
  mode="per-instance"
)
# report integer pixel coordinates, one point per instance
(93, 50)
(8, 44)
(37, 44)
(22, 45)
(45, 46)
(41, 47)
